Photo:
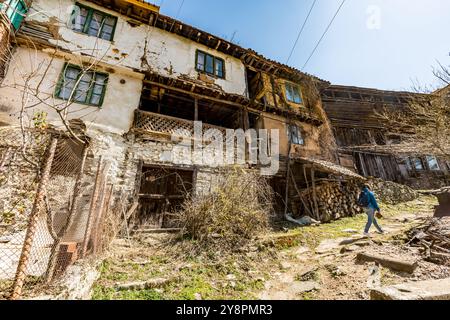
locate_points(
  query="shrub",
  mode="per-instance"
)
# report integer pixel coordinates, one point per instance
(232, 214)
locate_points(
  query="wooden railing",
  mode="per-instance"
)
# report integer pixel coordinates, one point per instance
(148, 122)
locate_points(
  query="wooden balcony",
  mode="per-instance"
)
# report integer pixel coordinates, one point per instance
(156, 124)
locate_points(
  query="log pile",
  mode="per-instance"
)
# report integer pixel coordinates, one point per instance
(334, 200)
(433, 239)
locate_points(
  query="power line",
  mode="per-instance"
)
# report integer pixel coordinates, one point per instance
(179, 9)
(178, 13)
(301, 31)
(323, 35)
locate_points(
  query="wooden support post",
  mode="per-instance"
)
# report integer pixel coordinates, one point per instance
(313, 179)
(246, 119)
(300, 195)
(307, 186)
(32, 224)
(286, 202)
(98, 217)
(196, 109)
(103, 213)
(76, 200)
(87, 231)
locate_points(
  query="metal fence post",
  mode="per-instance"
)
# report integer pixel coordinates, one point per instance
(92, 208)
(32, 222)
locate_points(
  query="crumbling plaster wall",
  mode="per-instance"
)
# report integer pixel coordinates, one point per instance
(138, 47)
(115, 115)
(311, 135)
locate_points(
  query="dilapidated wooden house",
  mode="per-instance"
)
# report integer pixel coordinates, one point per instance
(365, 143)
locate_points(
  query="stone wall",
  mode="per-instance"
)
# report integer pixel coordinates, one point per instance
(126, 152)
(391, 192)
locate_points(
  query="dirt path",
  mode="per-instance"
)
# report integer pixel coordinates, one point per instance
(331, 271)
(291, 264)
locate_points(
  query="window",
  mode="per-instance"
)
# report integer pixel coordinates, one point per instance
(407, 161)
(417, 164)
(15, 10)
(93, 22)
(293, 93)
(86, 87)
(433, 164)
(295, 135)
(210, 64)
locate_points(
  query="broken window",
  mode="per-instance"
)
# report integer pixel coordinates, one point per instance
(295, 135)
(80, 86)
(209, 64)
(93, 22)
(433, 163)
(417, 164)
(293, 93)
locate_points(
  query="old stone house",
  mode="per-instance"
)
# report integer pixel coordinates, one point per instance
(130, 78)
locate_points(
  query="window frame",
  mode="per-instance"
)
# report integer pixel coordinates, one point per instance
(430, 157)
(299, 135)
(15, 14)
(86, 26)
(205, 54)
(414, 161)
(87, 102)
(293, 86)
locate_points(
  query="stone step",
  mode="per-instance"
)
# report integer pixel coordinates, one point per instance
(422, 290)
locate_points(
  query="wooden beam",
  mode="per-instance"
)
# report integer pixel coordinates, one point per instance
(196, 109)
(313, 179)
(300, 195)
(287, 180)
(190, 93)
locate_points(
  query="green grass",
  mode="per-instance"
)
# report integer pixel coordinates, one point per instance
(200, 278)
(314, 235)
(209, 279)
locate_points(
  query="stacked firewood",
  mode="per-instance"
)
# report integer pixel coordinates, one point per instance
(433, 239)
(334, 200)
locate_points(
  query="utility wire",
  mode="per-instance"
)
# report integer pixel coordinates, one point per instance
(301, 31)
(179, 9)
(323, 35)
(178, 13)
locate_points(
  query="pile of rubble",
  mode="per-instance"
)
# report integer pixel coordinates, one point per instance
(392, 193)
(433, 239)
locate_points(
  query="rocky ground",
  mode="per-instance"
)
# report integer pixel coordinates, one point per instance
(293, 263)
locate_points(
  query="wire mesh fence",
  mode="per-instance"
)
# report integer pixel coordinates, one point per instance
(55, 210)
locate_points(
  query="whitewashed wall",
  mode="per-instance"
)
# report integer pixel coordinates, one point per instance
(167, 54)
(115, 115)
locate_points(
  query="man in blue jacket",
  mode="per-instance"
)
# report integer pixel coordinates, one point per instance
(370, 210)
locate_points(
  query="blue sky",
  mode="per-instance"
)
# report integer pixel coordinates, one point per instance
(384, 44)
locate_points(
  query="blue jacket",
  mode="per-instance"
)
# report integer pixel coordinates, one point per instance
(372, 201)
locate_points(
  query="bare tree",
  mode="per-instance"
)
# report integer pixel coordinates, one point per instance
(424, 124)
